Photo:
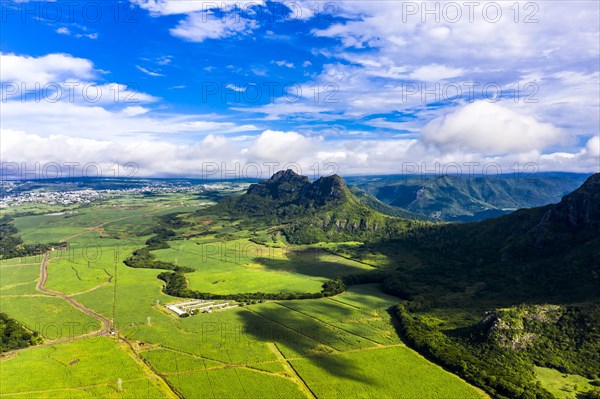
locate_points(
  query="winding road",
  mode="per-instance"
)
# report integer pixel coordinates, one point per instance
(41, 286)
(106, 324)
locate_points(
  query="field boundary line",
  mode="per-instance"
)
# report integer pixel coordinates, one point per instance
(6, 356)
(308, 357)
(228, 366)
(380, 308)
(290, 369)
(291, 329)
(2, 266)
(190, 354)
(108, 383)
(272, 373)
(91, 289)
(370, 348)
(149, 371)
(349, 258)
(94, 228)
(329, 324)
(18, 284)
(344, 303)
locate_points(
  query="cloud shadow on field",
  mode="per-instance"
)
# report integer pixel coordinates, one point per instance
(310, 262)
(311, 341)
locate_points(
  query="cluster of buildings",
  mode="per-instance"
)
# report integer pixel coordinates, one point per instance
(225, 186)
(49, 197)
(184, 309)
(13, 193)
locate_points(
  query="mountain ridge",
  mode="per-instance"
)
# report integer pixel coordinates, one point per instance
(554, 249)
(581, 208)
(323, 210)
(466, 198)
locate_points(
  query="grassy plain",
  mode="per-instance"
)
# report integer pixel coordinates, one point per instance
(273, 349)
(87, 368)
(240, 265)
(561, 385)
(395, 373)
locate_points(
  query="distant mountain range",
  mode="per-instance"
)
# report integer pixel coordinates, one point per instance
(527, 249)
(430, 198)
(488, 300)
(467, 199)
(553, 250)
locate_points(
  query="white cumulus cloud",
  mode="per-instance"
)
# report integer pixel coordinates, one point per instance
(490, 128)
(56, 67)
(200, 26)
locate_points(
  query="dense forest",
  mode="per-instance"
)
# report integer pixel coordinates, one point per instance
(497, 353)
(15, 336)
(11, 244)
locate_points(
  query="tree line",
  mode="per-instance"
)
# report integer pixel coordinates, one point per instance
(14, 336)
(12, 245)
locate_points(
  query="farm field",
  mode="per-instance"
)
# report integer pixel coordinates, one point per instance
(238, 266)
(58, 226)
(561, 385)
(19, 279)
(25, 260)
(88, 368)
(52, 317)
(394, 373)
(89, 263)
(236, 383)
(270, 338)
(291, 349)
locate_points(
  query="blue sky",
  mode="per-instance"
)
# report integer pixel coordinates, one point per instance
(367, 86)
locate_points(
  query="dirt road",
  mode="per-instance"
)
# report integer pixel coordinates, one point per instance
(106, 324)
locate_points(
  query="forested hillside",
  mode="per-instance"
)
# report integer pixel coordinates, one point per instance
(324, 210)
(469, 198)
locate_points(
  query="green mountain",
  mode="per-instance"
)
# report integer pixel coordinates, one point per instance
(486, 300)
(549, 252)
(464, 198)
(491, 300)
(381, 207)
(309, 212)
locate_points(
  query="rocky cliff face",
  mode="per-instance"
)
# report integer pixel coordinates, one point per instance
(284, 185)
(326, 190)
(580, 209)
(289, 187)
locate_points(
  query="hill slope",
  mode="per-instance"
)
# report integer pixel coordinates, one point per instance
(547, 251)
(491, 300)
(309, 212)
(384, 208)
(464, 198)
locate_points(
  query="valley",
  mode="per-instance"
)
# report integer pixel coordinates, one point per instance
(299, 199)
(323, 318)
